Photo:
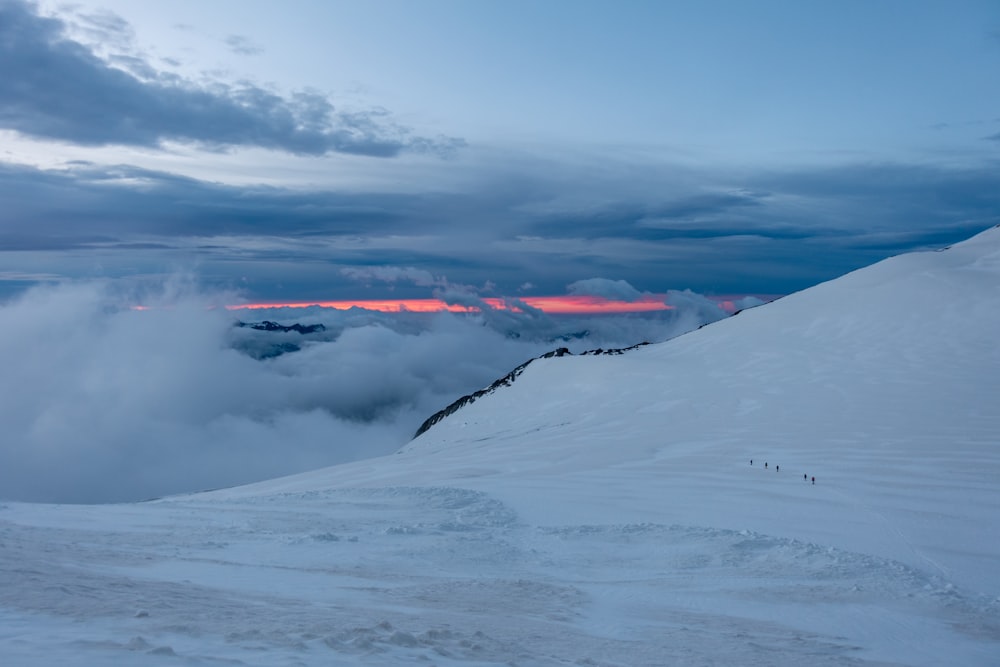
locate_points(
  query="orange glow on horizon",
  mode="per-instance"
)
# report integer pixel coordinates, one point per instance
(556, 305)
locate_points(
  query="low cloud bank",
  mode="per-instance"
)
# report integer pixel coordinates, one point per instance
(101, 402)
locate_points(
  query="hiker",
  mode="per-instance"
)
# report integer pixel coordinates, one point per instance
(777, 468)
(765, 464)
(751, 461)
(805, 477)
(814, 480)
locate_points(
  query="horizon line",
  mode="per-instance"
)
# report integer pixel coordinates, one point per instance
(555, 305)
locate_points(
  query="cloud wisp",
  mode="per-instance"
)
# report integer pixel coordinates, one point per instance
(617, 290)
(243, 45)
(57, 88)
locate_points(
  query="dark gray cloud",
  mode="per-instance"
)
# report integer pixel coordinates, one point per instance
(706, 205)
(767, 232)
(894, 206)
(56, 88)
(120, 202)
(699, 216)
(394, 274)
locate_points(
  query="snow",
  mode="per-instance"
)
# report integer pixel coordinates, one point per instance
(602, 510)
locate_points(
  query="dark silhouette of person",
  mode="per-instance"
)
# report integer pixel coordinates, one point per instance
(765, 464)
(814, 480)
(751, 461)
(777, 468)
(805, 476)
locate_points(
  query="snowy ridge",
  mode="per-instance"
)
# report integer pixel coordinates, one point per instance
(601, 510)
(507, 380)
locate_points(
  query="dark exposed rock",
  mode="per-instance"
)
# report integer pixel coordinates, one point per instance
(267, 346)
(508, 380)
(621, 350)
(267, 325)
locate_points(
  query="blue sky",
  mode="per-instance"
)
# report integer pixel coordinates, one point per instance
(339, 150)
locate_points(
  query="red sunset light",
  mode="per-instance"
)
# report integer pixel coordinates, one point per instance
(557, 305)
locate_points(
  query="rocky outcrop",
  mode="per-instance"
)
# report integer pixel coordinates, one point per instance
(267, 325)
(508, 380)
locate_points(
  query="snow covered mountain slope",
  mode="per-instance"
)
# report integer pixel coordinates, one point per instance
(599, 510)
(883, 384)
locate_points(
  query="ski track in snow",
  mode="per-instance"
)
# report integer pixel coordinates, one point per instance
(449, 576)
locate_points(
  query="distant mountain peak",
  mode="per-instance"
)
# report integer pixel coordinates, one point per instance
(267, 325)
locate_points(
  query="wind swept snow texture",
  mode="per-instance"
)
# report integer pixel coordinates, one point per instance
(601, 510)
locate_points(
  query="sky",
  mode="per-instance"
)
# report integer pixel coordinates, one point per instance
(325, 151)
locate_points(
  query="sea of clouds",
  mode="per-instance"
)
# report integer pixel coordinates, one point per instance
(104, 402)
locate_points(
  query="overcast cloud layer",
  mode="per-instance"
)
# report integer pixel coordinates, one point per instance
(782, 232)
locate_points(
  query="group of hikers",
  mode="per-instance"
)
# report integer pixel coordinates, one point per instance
(777, 468)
